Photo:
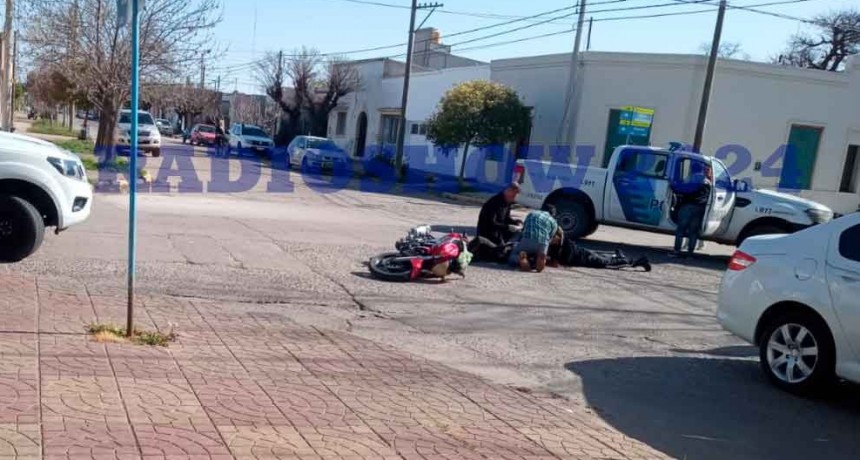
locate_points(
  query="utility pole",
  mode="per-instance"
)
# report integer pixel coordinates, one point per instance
(588, 40)
(203, 68)
(572, 100)
(7, 66)
(401, 126)
(709, 78)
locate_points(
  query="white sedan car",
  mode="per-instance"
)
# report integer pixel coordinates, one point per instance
(797, 297)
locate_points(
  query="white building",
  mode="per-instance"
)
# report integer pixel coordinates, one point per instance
(366, 122)
(756, 110)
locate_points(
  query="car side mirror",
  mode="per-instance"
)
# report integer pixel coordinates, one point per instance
(741, 186)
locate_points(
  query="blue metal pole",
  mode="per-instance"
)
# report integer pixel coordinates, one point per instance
(132, 172)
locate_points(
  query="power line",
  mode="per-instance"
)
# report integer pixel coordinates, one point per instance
(249, 65)
(752, 9)
(478, 29)
(463, 13)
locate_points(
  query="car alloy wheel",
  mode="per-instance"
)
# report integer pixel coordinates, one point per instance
(792, 353)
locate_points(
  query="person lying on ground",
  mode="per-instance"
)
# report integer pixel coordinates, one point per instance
(569, 254)
(539, 230)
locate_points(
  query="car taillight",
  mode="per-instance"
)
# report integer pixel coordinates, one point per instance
(740, 261)
(519, 174)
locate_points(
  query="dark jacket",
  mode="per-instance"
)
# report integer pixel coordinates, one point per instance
(495, 219)
(692, 193)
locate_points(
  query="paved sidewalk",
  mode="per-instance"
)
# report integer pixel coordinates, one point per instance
(244, 382)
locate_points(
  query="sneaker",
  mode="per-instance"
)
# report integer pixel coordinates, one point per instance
(540, 263)
(524, 261)
(644, 263)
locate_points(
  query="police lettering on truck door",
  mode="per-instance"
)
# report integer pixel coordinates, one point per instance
(639, 188)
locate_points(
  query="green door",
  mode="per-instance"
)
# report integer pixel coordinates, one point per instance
(614, 139)
(799, 160)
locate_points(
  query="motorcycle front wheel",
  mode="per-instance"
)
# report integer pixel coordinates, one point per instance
(385, 267)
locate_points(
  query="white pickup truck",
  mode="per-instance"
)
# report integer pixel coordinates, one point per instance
(41, 185)
(634, 191)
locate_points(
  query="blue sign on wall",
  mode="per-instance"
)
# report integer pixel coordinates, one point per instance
(635, 121)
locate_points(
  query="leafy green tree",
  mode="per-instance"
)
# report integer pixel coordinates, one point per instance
(478, 113)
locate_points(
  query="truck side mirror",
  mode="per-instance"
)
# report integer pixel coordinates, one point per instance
(741, 186)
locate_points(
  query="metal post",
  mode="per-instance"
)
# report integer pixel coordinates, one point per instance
(7, 66)
(132, 173)
(573, 99)
(14, 75)
(709, 78)
(401, 128)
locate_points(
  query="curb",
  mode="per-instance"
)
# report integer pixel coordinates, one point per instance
(463, 198)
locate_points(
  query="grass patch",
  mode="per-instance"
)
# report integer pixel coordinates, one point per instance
(48, 127)
(113, 333)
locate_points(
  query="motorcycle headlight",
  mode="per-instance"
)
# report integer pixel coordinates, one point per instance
(819, 216)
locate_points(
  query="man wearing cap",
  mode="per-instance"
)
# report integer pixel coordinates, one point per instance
(496, 227)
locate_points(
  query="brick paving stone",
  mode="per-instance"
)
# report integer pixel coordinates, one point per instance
(18, 358)
(243, 382)
(17, 304)
(19, 440)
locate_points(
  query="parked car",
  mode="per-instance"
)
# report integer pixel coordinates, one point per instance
(319, 152)
(634, 191)
(164, 127)
(202, 135)
(796, 298)
(242, 136)
(148, 137)
(41, 185)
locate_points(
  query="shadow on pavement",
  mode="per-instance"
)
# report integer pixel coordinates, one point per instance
(736, 351)
(699, 408)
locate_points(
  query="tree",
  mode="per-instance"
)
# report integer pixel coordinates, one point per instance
(836, 36)
(190, 101)
(339, 79)
(478, 113)
(727, 50)
(254, 110)
(317, 86)
(81, 36)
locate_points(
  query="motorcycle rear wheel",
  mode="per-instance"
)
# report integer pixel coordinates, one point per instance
(383, 267)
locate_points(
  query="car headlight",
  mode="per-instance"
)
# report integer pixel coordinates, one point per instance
(68, 168)
(819, 216)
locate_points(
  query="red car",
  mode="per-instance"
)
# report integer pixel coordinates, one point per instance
(203, 135)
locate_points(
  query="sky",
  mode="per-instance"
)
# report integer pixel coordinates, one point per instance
(252, 27)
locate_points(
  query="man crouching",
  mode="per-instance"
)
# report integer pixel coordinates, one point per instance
(540, 229)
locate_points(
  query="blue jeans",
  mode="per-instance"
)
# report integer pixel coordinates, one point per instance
(530, 247)
(690, 218)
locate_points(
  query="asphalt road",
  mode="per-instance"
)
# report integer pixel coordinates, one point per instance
(642, 349)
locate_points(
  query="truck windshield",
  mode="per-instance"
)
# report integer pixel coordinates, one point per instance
(253, 131)
(142, 118)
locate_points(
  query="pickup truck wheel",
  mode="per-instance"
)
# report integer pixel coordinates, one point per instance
(21, 228)
(573, 218)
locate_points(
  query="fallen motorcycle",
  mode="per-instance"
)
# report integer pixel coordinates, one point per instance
(421, 255)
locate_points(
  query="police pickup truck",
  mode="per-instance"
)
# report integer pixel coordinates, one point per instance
(634, 191)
